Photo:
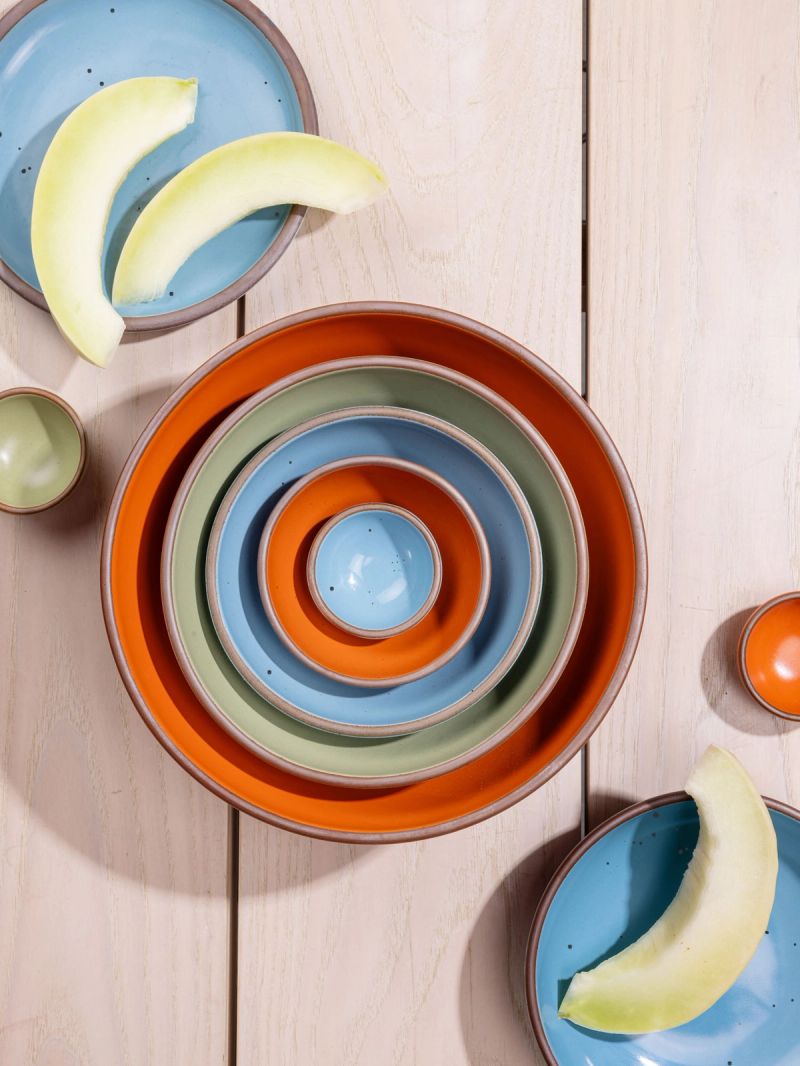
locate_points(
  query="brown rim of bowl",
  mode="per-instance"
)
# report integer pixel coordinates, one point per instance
(257, 683)
(603, 704)
(558, 878)
(420, 471)
(285, 235)
(412, 620)
(741, 652)
(45, 394)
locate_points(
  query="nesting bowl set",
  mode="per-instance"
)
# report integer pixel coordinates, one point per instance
(373, 573)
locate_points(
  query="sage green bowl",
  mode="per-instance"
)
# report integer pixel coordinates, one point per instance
(358, 761)
(42, 450)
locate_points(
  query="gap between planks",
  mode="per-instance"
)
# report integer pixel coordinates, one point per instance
(584, 828)
(233, 859)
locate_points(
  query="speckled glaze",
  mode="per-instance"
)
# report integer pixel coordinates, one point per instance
(375, 570)
(466, 570)
(42, 450)
(768, 656)
(56, 53)
(609, 891)
(232, 563)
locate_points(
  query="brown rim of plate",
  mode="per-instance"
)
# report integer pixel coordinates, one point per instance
(257, 683)
(420, 471)
(741, 651)
(26, 391)
(558, 879)
(285, 235)
(603, 705)
(412, 620)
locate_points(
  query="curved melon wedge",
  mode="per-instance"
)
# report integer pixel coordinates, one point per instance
(226, 185)
(92, 153)
(710, 931)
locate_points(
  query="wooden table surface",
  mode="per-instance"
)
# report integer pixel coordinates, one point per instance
(142, 922)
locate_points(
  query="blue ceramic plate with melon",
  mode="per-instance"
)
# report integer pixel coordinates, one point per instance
(610, 891)
(56, 53)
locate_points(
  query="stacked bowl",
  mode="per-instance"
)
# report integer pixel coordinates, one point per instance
(372, 596)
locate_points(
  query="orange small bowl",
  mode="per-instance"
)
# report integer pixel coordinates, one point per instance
(291, 609)
(769, 655)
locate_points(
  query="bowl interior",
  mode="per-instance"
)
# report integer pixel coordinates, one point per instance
(61, 52)
(466, 570)
(772, 655)
(530, 755)
(250, 641)
(41, 450)
(613, 894)
(375, 569)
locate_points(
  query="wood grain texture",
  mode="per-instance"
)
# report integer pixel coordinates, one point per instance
(113, 869)
(473, 110)
(414, 953)
(693, 324)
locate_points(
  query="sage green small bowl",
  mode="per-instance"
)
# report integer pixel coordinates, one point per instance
(42, 450)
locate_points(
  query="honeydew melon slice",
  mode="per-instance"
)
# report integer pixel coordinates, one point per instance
(708, 934)
(92, 153)
(226, 185)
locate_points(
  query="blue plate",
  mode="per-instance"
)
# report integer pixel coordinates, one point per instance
(271, 668)
(56, 53)
(613, 893)
(374, 570)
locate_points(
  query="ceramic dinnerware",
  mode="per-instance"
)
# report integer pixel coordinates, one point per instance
(42, 450)
(56, 53)
(466, 570)
(768, 655)
(528, 755)
(232, 565)
(374, 570)
(383, 761)
(630, 868)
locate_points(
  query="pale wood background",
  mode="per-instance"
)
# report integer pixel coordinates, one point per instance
(694, 288)
(113, 868)
(115, 902)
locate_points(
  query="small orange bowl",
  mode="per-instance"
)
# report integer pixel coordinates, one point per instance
(298, 621)
(769, 655)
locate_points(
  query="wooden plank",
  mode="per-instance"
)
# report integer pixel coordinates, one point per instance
(694, 226)
(413, 953)
(471, 110)
(113, 890)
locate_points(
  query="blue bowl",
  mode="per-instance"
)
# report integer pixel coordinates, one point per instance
(56, 53)
(374, 570)
(275, 672)
(609, 891)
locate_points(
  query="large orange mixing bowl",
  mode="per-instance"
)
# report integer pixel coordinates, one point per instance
(496, 780)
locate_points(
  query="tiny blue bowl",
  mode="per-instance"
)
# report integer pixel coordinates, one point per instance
(56, 53)
(609, 891)
(374, 570)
